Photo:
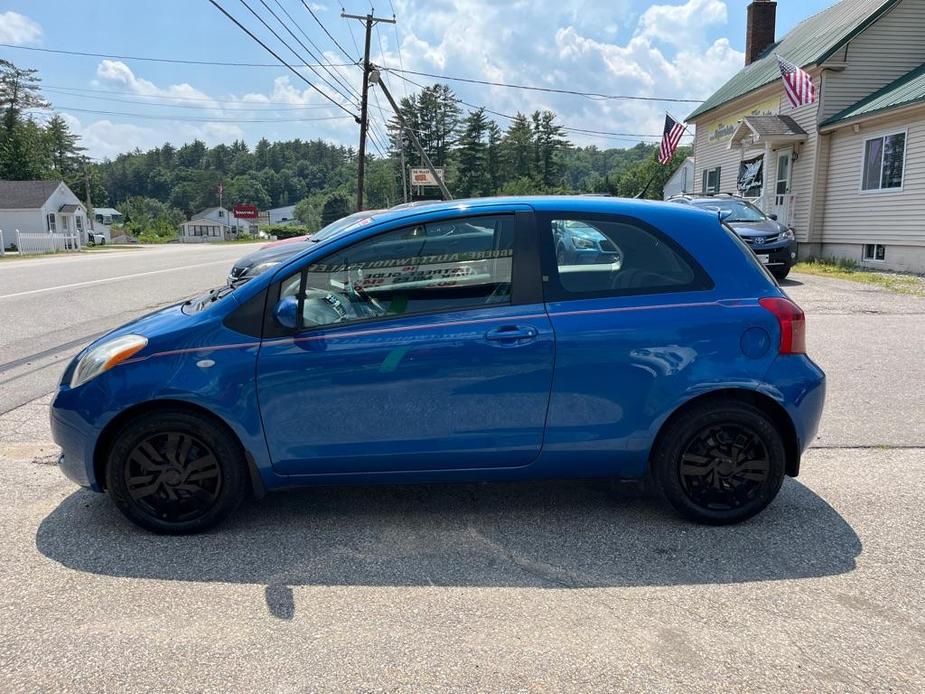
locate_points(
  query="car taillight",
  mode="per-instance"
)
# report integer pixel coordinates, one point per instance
(792, 324)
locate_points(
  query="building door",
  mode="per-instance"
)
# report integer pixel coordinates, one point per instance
(780, 202)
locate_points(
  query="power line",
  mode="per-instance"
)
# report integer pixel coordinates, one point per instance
(336, 42)
(350, 91)
(201, 107)
(276, 55)
(149, 59)
(628, 137)
(283, 41)
(80, 91)
(572, 92)
(199, 120)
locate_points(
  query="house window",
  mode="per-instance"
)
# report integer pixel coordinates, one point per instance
(221, 213)
(50, 223)
(78, 220)
(883, 162)
(874, 251)
(711, 180)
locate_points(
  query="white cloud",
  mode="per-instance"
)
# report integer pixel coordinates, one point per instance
(19, 30)
(681, 25)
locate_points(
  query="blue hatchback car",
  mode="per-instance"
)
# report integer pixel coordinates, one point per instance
(452, 343)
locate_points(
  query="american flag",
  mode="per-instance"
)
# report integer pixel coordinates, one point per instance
(797, 83)
(670, 139)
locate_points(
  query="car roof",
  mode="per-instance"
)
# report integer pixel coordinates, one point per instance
(540, 203)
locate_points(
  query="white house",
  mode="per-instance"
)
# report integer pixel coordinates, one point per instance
(681, 181)
(213, 224)
(280, 215)
(40, 207)
(847, 172)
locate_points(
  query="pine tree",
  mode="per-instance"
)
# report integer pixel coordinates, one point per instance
(472, 179)
(22, 155)
(62, 146)
(517, 149)
(493, 159)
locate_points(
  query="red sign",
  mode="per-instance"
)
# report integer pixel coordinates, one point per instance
(245, 211)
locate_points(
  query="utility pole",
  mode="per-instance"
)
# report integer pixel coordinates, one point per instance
(369, 21)
(90, 215)
(376, 78)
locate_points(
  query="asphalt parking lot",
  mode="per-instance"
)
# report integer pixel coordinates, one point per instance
(537, 587)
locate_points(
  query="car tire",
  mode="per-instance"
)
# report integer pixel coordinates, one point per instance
(175, 473)
(781, 274)
(720, 462)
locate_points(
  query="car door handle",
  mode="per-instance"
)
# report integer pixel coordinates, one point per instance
(511, 333)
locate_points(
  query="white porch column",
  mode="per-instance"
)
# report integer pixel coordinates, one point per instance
(768, 179)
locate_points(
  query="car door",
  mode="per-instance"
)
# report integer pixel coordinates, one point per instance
(425, 347)
(629, 324)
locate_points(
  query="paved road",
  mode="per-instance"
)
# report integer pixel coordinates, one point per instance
(51, 307)
(546, 587)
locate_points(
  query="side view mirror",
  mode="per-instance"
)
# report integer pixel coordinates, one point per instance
(724, 215)
(772, 216)
(286, 313)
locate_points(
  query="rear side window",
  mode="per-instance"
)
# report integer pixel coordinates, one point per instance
(609, 257)
(437, 266)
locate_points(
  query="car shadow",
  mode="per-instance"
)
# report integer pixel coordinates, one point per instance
(790, 282)
(552, 534)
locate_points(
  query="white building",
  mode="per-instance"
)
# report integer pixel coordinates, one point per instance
(35, 207)
(681, 181)
(847, 172)
(213, 224)
(103, 220)
(280, 215)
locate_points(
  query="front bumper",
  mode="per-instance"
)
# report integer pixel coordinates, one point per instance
(72, 434)
(778, 255)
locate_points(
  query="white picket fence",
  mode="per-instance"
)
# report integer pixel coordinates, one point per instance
(31, 244)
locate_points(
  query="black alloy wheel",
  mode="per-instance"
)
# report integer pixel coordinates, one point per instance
(173, 476)
(720, 461)
(724, 466)
(175, 472)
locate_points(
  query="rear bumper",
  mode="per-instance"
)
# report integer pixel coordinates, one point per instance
(799, 385)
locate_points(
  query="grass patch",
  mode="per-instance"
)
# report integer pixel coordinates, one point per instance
(844, 269)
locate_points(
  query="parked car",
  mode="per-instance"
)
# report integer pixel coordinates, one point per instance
(772, 242)
(272, 254)
(448, 343)
(579, 243)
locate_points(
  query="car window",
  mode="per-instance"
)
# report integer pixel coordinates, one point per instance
(438, 266)
(601, 257)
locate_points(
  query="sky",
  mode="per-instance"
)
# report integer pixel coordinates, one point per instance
(678, 50)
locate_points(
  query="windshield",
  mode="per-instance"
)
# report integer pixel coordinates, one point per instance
(343, 224)
(740, 211)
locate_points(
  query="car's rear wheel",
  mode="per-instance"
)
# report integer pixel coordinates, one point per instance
(720, 462)
(175, 473)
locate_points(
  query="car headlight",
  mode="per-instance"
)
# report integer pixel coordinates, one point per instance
(787, 235)
(581, 242)
(105, 356)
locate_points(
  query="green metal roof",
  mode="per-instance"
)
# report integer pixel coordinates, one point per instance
(908, 89)
(808, 43)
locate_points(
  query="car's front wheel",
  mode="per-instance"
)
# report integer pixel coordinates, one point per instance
(720, 462)
(781, 274)
(175, 472)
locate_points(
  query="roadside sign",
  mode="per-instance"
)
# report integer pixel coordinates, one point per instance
(423, 177)
(245, 211)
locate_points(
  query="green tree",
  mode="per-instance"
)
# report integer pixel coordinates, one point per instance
(248, 190)
(548, 145)
(335, 206)
(309, 213)
(472, 178)
(637, 176)
(23, 155)
(517, 149)
(493, 160)
(65, 153)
